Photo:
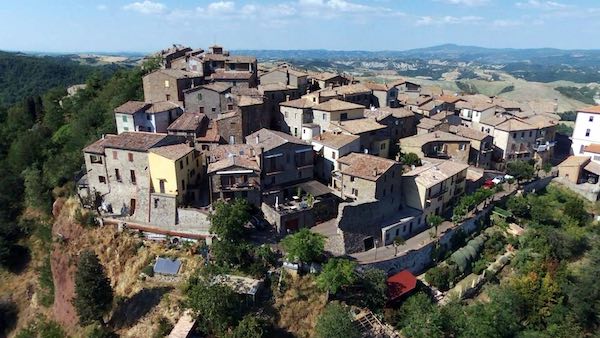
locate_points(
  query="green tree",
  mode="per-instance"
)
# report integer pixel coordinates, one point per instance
(217, 306)
(434, 222)
(398, 242)
(420, 318)
(251, 326)
(93, 293)
(228, 219)
(518, 205)
(337, 273)
(37, 195)
(521, 170)
(335, 322)
(411, 159)
(304, 246)
(575, 208)
(373, 286)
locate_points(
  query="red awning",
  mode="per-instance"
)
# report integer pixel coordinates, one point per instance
(400, 284)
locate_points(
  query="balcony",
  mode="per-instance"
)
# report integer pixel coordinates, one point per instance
(239, 186)
(544, 147)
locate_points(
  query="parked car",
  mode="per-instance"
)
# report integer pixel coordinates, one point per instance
(488, 184)
(498, 180)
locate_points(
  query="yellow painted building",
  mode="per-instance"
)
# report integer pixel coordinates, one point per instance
(174, 168)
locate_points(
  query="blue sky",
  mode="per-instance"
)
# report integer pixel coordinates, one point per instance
(149, 25)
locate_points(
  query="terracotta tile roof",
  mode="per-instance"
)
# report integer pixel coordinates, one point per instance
(178, 73)
(324, 76)
(357, 126)
(432, 173)
(210, 134)
(574, 161)
(274, 87)
(436, 136)
(592, 148)
(232, 75)
(334, 140)
(245, 100)
(377, 86)
(336, 105)
(470, 133)
(449, 98)
(591, 110)
(365, 166)
(593, 167)
(291, 71)
(216, 87)
(351, 89)
(161, 106)
(225, 150)
(427, 123)
(300, 103)
(135, 141)
(541, 121)
(515, 124)
(172, 151)
(271, 139)
(187, 122)
(131, 107)
(237, 90)
(406, 99)
(233, 161)
(381, 113)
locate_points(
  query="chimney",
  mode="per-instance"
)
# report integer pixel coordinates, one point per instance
(330, 85)
(257, 138)
(436, 135)
(287, 97)
(374, 172)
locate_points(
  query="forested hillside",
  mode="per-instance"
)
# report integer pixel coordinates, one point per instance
(26, 75)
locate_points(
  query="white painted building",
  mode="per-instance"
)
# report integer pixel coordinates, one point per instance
(587, 129)
(331, 146)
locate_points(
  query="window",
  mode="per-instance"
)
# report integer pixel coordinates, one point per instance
(398, 231)
(230, 106)
(530, 133)
(115, 155)
(124, 118)
(199, 96)
(201, 110)
(161, 184)
(591, 119)
(324, 117)
(285, 114)
(96, 159)
(156, 203)
(130, 156)
(125, 128)
(351, 178)
(132, 174)
(182, 185)
(355, 192)
(168, 97)
(382, 147)
(148, 117)
(299, 174)
(181, 164)
(333, 154)
(581, 149)
(587, 132)
(343, 116)
(102, 179)
(187, 161)
(231, 139)
(213, 109)
(514, 135)
(522, 134)
(167, 84)
(462, 147)
(117, 175)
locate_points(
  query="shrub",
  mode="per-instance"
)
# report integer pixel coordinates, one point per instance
(148, 270)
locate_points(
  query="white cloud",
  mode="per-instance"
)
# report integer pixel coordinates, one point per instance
(101, 7)
(543, 5)
(469, 3)
(146, 7)
(221, 6)
(506, 23)
(447, 20)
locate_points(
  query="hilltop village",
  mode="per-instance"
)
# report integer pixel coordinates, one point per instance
(385, 173)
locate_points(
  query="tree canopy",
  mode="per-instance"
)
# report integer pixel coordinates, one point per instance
(335, 322)
(304, 246)
(337, 273)
(93, 293)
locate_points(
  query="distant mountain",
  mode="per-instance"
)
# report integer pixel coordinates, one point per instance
(546, 56)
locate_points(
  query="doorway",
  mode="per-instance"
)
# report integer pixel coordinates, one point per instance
(369, 243)
(131, 207)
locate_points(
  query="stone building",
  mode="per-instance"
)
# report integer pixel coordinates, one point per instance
(399, 122)
(482, 145)
(286, 76)
(234, 173)
(373, 136)
(330, 146)
(294, 114)
(335, 110)
(327, 80)
(384, 95)
(210, 99)
(274, 94)
(143, 116)
(169, 84)
(438, 144)
(355, 93)
(434, 187)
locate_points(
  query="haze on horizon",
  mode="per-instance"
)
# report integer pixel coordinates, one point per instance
(150, 25)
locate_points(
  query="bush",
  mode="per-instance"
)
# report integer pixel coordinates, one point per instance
(440, 277)
(148, 270)
(85, 218)
(335, 322)
(163, 329)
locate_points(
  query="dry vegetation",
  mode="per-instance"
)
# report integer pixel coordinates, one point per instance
(139, 302)
(300, 305)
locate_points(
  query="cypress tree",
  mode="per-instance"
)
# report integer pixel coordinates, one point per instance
(93, 293)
